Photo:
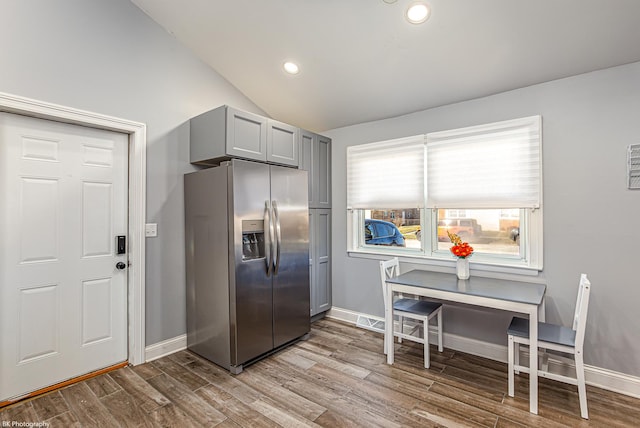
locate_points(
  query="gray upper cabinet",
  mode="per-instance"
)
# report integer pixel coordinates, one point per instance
(315, 157)
(226, 132)
(323, 176)
(283, 145)
(246, 135)
(306, 160)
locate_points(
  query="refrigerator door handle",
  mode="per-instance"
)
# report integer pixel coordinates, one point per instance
(268, 245)
(278, 235)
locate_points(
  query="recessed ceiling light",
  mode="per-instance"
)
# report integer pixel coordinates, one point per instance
(417, 13)
(291, 67)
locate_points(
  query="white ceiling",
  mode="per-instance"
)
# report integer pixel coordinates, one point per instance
(361, 61)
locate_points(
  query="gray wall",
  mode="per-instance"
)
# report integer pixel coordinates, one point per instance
(108, 57)
(591, 220)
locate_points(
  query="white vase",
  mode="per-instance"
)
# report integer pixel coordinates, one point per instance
(462, 268)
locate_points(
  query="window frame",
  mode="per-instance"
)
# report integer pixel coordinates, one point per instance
(529, 260)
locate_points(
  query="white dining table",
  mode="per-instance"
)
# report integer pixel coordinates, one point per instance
(514, 296)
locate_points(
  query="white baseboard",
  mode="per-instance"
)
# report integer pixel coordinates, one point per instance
(595, 376)
(166, 347)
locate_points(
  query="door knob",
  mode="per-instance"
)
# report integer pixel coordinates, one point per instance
(120, 265)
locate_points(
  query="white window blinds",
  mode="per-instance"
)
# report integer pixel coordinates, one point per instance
(496, 165)
(388, 174)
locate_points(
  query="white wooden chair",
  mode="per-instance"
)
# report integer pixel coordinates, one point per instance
(556, 338)
(419, 310)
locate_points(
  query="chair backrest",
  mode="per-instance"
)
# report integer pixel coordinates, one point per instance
(388, 269)
(582, 305)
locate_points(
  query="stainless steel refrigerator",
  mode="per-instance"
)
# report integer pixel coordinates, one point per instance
(247, 254)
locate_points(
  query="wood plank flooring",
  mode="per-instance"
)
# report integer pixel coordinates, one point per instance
(337, 378)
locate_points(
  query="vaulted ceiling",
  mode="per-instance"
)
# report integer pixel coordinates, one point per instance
(360, 60)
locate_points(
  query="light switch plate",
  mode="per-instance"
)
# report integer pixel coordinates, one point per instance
(151, 230)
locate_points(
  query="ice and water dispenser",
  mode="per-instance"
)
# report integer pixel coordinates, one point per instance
(252, 239)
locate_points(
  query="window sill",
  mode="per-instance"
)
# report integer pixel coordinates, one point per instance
(482, 268)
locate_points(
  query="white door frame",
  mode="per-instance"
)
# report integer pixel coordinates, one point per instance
(137, 198)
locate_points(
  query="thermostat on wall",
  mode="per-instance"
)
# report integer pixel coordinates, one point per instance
(633, 166)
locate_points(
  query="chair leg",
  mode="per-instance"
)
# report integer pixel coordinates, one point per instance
(384, 345)
(582, 388)
(425, 335)
(511, 346)
(440, 331)
(516, 356)
(401, 322)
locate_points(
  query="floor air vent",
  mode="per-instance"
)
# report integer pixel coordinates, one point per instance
(373, 324)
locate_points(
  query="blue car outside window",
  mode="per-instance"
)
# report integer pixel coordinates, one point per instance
(380, 232)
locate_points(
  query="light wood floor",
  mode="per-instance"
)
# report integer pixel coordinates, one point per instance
(338, 378)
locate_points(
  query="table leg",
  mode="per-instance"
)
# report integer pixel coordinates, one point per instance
(388, 324)
(533, 362)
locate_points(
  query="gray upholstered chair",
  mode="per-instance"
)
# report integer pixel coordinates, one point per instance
(555, 338)
(418, 310)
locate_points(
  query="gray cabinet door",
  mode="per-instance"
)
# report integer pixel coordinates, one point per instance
(315, 157)
(246, 135)
(322, 173)
(306, 160)
(283, 146)
(312, 259)
(321, 260)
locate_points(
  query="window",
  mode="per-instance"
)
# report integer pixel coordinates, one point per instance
(385, 188)
(485, 230)
(482, 183)
(391, 227)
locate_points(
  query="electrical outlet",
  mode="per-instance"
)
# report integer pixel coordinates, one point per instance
(151, 230)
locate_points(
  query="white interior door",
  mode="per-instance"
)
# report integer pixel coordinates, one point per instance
(63, 202)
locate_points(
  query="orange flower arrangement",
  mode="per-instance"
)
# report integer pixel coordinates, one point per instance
(460, 249)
